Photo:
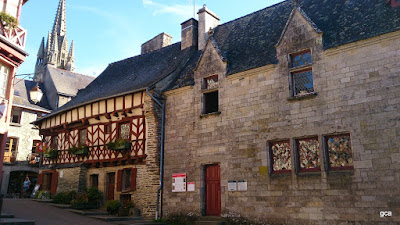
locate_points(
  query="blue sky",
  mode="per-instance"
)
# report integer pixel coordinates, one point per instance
(106, 31)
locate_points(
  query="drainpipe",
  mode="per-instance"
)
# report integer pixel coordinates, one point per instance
(162, 152)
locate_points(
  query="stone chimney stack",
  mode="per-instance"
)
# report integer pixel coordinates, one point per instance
(189, 33)
(160, 41)
(207, 20)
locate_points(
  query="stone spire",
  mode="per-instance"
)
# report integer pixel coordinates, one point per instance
(55, 53)
(60, 23)
(71, 58)
(39, 61)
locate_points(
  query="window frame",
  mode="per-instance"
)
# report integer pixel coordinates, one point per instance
(34, 147)
(126, 179)
(293, 70)
(11, 140)
(271, 158)
(54, 142)
(119, 129)
(13, 111)
(106, 131)
(328, 167)
(92, 178)
(6, 75)
(206, 106)
(296, 151)
(79, 137)
(207, 91)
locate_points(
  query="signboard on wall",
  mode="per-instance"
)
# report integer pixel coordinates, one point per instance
(179, 182)
(190, 186)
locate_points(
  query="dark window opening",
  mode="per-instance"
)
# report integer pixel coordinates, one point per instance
(126, 179)
(94, 180)
(211, 102)
(107, 128)
(34, 145)
(16, 115)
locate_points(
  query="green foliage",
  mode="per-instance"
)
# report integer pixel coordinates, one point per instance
(82, 150)
(113, 207)
(91, 199)
(43, 195)
(181, 219)
(8, 21)
(125, 209)
(94, 195)
(50, 153)
(64, 197)
(119, 145)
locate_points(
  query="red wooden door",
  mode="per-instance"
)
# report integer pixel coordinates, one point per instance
(110, 186)
(213, 190)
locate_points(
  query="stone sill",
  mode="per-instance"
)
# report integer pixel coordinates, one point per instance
(344, 172)
(313, 173)
(301, 97)
(15, 125)
(210, 114)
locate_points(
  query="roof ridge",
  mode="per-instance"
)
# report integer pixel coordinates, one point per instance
(74, 72)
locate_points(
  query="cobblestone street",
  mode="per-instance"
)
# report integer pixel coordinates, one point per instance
(44, 214)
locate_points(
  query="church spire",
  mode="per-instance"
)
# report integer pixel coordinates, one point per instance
(71, 58)
(60, 22)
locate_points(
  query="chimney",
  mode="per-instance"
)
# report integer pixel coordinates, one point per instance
(160, 41)
(189, 33)
(207, 20)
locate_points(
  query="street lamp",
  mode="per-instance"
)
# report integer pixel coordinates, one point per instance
(36, 94)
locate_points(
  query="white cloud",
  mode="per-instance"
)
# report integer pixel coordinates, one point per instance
(176, 9)
(92, 70)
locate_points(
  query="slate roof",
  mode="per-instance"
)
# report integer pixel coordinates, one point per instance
(248, 42)
(22, 98)
(66, 82)
(131, 74)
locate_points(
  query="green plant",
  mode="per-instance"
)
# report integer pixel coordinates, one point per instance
(50, 153)
(82, 150)
(119, 145)
(64, 197)
(113, 206)
(182, 219)
(125, 209)
(80, 202)
(43, 195)
(94, 195)
(8, 21)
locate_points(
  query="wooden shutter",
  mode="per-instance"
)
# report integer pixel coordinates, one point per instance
(119, 180)
(54, 181)
(40, 179)
(133, 179)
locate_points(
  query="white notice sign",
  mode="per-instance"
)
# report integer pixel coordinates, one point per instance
(232, 185)
(190, 186)
(242, 185)
(179, 182)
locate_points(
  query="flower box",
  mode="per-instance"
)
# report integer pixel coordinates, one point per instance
(119, 145)
(51, 154)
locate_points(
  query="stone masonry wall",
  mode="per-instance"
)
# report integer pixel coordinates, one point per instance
(358, 88)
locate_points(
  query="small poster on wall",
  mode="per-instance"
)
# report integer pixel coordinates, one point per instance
(179, 182)
(190, 186)
(242, 185)
(232, 185)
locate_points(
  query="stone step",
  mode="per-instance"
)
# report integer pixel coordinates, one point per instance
(140, 222)
(88, 212)
(61, 206)
(109, 218)
(209, 223)
(6, 216)
(12, 221)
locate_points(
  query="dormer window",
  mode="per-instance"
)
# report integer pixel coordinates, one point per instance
(210, 94)
(301, 78)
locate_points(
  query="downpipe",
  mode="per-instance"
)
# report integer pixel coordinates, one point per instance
(161, 153)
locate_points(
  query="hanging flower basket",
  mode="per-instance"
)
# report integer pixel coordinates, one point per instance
(51, 154)
(119, 145)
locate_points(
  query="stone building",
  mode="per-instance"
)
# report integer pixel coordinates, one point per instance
(12, 54)
(290, 116)
(287, 115)
(58, 84)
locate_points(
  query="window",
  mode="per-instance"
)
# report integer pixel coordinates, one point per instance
(211, 102)
(107, 128)
(279, 154)
(11, 145)
(94, 180)
(308, 155)
(54, 142)
(4, 73)
(82, 137)
(210, 94)
(126, 179)
(301, 78)
(34, 145)
(16, 115)
(124, 131)
(338, 152)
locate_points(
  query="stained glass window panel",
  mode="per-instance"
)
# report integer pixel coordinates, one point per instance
(301, 59)
(280, 152)
(303, 82)
(309, 154)
(339, 151)
(124, 131)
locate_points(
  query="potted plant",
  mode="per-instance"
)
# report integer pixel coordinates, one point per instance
(50, 153)
(119, 145)
(82, 150)
(9, 22)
